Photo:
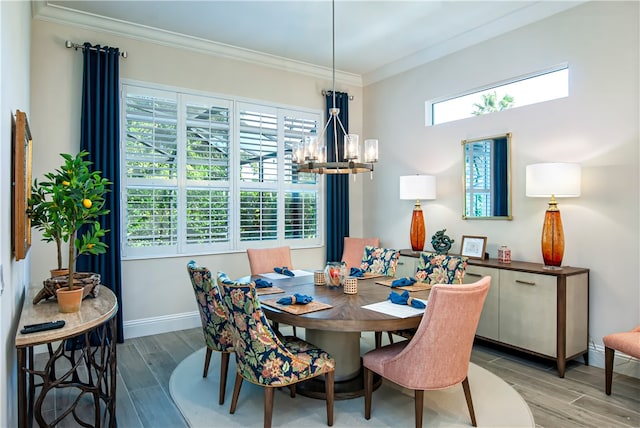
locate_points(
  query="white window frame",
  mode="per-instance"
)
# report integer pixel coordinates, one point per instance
(429, 105)
(234, 183)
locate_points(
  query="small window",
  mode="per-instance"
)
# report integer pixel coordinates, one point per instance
(549, 85)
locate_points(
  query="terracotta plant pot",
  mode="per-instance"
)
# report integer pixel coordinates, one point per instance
(59, 272)
(69, 300)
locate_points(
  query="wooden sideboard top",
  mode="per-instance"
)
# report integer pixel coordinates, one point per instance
(514, 265)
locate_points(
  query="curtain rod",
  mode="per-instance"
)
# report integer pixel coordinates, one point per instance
(326, 92)
(77, 46)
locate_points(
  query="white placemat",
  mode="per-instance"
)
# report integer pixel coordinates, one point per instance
(296, 272)
(394, 309)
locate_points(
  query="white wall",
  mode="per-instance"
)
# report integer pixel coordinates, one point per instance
(156, 292)
(596, 126)
(15, 24)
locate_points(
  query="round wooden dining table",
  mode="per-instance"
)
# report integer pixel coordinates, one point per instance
(337, 329)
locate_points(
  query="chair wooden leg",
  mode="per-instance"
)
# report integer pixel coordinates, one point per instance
(390, 337)
(236, 393)
(268, 405)
(292, 390)
(207, 360)
(329, 393)
(419, 405)
(224, 368)
(608, 369)
(378, 339)
(467, 395)
(368, 392)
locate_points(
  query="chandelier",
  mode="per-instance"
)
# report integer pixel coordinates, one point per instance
(311, 153)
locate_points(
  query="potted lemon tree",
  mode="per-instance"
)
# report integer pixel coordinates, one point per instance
(68, 202)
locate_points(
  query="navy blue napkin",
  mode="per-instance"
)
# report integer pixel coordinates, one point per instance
(403, 282)
(405, 299)
(296, 299)
(284, 270)
(356, 272)
(262, 283)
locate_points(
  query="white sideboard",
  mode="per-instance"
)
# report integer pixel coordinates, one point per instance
(529, 308)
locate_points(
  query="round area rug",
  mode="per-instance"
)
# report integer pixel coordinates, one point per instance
(496, 404)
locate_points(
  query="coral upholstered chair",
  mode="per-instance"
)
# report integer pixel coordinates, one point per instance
(438, 355)
(626, 342)
(264, 359)
(353, 250)
(263, 260)
(216, 329)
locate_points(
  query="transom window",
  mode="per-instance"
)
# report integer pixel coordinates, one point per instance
(204, 174)
(536, 88)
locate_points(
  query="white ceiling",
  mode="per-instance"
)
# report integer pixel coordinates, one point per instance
(373, 39)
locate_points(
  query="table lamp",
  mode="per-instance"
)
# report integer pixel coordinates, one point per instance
(417, 187)
(553, 180)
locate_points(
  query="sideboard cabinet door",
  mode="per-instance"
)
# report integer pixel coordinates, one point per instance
(488, 326)
(528, 311)
(407, 266)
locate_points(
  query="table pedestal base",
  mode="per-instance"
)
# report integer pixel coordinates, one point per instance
(344, 347)
(344, 390)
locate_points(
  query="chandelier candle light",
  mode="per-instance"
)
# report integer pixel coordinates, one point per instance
(311, 153)
(553, 180)
(417, 187)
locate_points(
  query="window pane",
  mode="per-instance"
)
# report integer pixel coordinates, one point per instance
(295, 129)
(207, 142)
(152, 217)
(258, 147)
(530, 90)
(478, 183)
(300, 219)
(207, 216)
(151, 137)
(258, 216)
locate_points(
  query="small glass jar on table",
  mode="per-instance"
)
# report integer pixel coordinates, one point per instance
(334, 274)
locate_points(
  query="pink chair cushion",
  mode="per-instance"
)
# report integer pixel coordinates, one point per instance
(626, 342)
(263, 260)
(438, 355)
(354, 250)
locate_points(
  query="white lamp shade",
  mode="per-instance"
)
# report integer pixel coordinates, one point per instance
(418, 187)
(558, 179)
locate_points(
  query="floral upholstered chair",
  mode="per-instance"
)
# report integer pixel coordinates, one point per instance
(441, 268)
(216, 328)
(381, 261)
(262, 358)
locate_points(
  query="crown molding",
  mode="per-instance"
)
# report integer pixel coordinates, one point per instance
(44, 11)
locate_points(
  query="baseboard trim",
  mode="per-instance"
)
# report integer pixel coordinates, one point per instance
(163, 324)
(622, 363)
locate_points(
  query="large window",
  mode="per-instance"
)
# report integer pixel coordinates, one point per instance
(536, 88)
(206, 174)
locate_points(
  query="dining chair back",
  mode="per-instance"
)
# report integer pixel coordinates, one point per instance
(441, 268)
(433, 269)
(353, 250)
(438, 355)
(381, 261)
(262, 357)
(263, 260)
(215, 326)
(627, 342)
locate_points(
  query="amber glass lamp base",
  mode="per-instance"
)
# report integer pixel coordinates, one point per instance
(417, 229)
(552, 238)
